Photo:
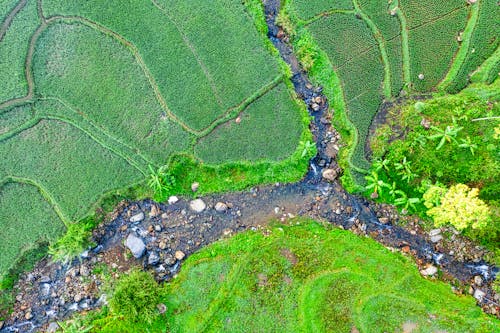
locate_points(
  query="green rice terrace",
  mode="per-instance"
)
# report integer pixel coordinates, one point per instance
(249, 166)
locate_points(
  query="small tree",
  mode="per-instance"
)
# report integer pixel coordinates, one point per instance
(461, 207)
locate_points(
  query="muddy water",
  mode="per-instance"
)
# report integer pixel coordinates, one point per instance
(53, 291)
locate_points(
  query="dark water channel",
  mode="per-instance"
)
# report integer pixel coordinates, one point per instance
(167, 229)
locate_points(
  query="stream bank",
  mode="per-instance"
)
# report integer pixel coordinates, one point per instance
(164, 234)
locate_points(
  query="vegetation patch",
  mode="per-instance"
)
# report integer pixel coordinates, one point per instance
(96, 97)
(378, 51)
(304, 277)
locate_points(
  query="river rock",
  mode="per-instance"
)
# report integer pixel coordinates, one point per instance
(137, 217)
(429, 271)
(478, 280)
(434, 232)
(479, 295)
(53, 327)
(329, 174)
(153, 259)
(179, 255)
(135, 245)
(197, 205)
(436, 238)
(220, 207)
(172, 200)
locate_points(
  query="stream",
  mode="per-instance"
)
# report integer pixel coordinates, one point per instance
(172, 231)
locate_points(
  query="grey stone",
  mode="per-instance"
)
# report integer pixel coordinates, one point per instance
(478, 280)
(153, 259)
(330, 174)
(436, 238)
(195, 186)
(137, 217)
(136, 245)
(479, 294)
(197, 205)
(434, 232)
(173, 199)
(220, 207)
(429, 271)
(53, 327)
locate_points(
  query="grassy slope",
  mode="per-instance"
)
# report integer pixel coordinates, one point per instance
(304, 278)
(108, 96)
(13, 49)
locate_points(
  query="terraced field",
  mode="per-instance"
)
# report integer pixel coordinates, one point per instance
(306, 278)
(380, 50)
(92, 93)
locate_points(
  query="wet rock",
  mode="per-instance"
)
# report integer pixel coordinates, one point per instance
(158, 228)
(137, 218)
(195, 186)
(169, 260)
(162, 245)
(153, 259)
(429, 271)
(220, 207)
(52, 328)
(155, 211)
(478, 280)
(315, 106)
(405, 249)
(172, 200)
(135, 245)
(329, 174)
(479, 295)
(179, 255)
(197, 205)
(28, 315)
(436, 238)
(383, 220)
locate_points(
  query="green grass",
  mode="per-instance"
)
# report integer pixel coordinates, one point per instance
(483, 43)
(374, 56)
(111, 88)
(13, 50)
(40, 223)
(306, 9)
(6, 7)
(423, 49)
(305, 278)
(261, 126)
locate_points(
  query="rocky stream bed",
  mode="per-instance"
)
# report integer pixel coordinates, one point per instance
(159, 236)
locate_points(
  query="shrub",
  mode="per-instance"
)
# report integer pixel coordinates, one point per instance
(461, 207)
(135, 297)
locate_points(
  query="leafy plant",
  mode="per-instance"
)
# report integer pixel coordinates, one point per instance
(449, 134)
(409, 204)
(467, 144)
(380, 164)
(375, 184)
(461, 208)
(405, 171)
(307, 148)
(135, 297)
(161, 181)
(74, 242)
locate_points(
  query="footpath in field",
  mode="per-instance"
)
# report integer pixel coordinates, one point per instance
(93, 93)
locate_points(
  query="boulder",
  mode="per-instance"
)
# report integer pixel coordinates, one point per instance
(197, 205)
(137, 217)
(135, 245)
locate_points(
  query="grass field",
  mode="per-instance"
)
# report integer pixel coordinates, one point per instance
(408, 45)
(304, 278)
(97, 92)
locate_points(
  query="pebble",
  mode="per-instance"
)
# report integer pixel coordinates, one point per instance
(429, 271)
(315, 107)
(28, 315)
(162, 245)
(405, 249)
(434, 232)
(421, 76)
(158, 227)
(329, 174)
(197, 205)
(84, 270)
(195, 186)
(436, 238)
(77, 298)
(384, 220)
(155, 211)
(153, 259)
(135, 245)
(53, 327)
(137, 217)
(172, 200)
(179, 255)
(478, 280)
(479, 294)
(220, 207)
